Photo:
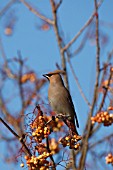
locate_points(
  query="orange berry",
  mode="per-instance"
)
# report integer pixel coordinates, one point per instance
(22, 165)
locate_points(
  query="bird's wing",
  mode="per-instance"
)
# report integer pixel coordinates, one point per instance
(71, 102)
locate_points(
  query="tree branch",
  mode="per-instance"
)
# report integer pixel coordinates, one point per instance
(17, 136)
(59, 40)
(82, 29)
(7, 7)
(89, 125)
(78, 84)
(37, 13)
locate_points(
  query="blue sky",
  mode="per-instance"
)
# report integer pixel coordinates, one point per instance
(41, 49)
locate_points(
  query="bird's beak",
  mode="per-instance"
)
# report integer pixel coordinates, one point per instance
(46, 76)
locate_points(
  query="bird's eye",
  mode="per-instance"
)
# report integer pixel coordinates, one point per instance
(49, 75)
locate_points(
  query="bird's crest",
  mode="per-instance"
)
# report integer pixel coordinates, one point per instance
(57, 72)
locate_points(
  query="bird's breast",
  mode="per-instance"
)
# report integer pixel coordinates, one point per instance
(58, 101)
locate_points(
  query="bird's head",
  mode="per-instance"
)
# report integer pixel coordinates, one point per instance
(55, 77)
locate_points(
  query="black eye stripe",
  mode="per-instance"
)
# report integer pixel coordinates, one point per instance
(49, 75)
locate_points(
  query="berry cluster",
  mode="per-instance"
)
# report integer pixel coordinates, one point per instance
(57, 125)
(109, 159)
(53, 147)
(71, 141)
(39, 128)
(38, 162)
(54, 123)
(103, 117)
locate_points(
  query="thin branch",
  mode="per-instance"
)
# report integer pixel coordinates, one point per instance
(21, 139)
(51, 157)
(9, 128)
(21, 90)
(8, 117)
(80, 47)
(49, 21)
(78, 84)
(60, 45)
(101, 141)
(58, 5)
(7, 7)
(97, 42)
(2, 51)
(110, 56)
(103, 100)
(6, 67)
(89, 125)
(106, 90)
(59, 40)
(82, 29)
(20, 83)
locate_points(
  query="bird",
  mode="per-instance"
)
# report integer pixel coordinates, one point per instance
(59, 97)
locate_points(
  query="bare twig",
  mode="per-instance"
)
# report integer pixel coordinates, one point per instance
(106, 90)
(51, 157)
(7, 7)
(2, 51)
(21, 139)
(82, 29)
(58, 5)
(80, 47)
(97, 42)
(21, 90)
(59, 40)
(110, 55)
(6, 68)
(102, 101)
(33, 10)
(10, 119)
(19, 81)
(60, 45)
(78, 84)
(89, 125)
(101, 141)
